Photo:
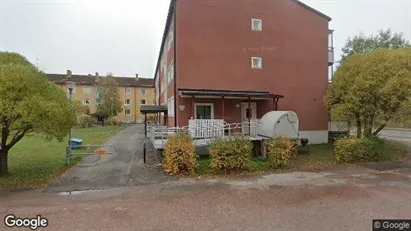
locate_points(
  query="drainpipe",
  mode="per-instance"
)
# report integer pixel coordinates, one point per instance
(175, 65)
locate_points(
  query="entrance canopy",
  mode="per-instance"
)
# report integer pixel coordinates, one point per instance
(227, 94)
(153, 109)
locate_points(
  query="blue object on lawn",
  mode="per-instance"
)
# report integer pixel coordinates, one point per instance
(76, 143)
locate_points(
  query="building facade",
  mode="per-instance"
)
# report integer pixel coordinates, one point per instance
(238, 59)
(133, 91)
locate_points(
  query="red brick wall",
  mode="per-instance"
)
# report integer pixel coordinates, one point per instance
(215, 45)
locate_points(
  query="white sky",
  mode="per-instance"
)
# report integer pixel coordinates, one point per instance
(124, 36)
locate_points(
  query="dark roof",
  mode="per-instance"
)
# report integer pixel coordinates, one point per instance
(312, 9)
(145, 82)
(91, 80)
(150, 109)
(208, 92)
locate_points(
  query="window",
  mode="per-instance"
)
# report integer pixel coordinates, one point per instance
(170, 106)
(127, 91)
(143, 91)
(86, 101)
(142, 101)
(86, 90)
(127, 102)
(256, 63)
(256, 24)
(170, 72)
(127, 111)
(204, 111)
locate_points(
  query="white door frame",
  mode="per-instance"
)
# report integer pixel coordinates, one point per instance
(203, 104)
(244, 106)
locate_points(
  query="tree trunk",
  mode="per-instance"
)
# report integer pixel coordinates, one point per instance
(3, 162)
(368, 127)
(359, 133)
(379, 129)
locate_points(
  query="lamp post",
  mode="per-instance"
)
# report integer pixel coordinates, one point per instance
(70, 86)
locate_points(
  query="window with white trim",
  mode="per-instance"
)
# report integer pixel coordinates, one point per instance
(142, 91)
(142, 101)
(170, 106)
(256, 24)
(170, 72)
(256, 63)
(86, 101)
(86, 90)
(127, 91)
(127, 111)
(127, 101)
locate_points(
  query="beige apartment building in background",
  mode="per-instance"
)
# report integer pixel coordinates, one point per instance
(134, 92)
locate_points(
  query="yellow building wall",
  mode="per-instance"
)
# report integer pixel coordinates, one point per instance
(134, 97)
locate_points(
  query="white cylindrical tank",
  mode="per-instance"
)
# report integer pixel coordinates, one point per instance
(279, 123)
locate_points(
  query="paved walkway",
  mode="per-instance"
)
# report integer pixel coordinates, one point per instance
(124, 168)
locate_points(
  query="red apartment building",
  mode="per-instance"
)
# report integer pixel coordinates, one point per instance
(239, 59)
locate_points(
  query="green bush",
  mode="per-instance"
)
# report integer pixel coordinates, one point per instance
(179, 155)
(85, 121)
(352, 149)
(231, 154)
(112, 121)
(280, 151)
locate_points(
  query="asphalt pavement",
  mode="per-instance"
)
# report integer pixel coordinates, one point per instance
(344, 199)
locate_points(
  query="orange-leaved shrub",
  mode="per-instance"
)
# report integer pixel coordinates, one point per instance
(179, 155)
(231, 154)
(280, 151)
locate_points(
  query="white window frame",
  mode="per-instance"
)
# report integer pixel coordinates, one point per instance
(84, 101)
(89, 90)
(256, 67)
(170, 106)
(260, 28)
(125, 102)
(141, 91)
(129, 110)
(125, 91)
(145, 102)
(203, 104)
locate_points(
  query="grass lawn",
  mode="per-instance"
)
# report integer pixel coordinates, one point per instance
(35, 162)
(320, 157)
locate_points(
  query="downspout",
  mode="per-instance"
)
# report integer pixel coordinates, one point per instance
(175, 64)
(135, 103)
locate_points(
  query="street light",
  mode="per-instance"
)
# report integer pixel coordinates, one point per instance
(70, 86)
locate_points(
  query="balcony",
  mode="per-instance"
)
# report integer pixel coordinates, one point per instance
(330, 55)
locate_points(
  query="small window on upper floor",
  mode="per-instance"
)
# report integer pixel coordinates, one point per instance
(256, 63)
(256, 24)
(86, 90)
(142, 91)
(127, 102)
(127, 91)
(86, 101)
(142, 101)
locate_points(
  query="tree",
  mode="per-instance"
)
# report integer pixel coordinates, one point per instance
(370, 86)
(29, 103)
(81, 109)
(109, 97)
(361, 43)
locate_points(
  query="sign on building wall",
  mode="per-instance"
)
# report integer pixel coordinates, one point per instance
(182, 107)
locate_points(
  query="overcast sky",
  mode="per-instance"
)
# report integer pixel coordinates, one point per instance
(124, 36)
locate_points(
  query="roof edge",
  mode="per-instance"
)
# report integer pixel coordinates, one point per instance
(166, 28)
(312, 9)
